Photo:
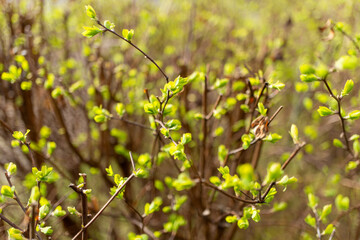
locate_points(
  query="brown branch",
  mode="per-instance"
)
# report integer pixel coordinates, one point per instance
(15, 194)
(227, 194)
(3, 218)
(283, 166)
(105, 206)
(137, 48)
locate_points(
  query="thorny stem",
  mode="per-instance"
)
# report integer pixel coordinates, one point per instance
(136, 47)
(105, 206)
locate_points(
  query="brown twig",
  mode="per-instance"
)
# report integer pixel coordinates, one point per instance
(105, 206)
(136, 47)
(283, 166)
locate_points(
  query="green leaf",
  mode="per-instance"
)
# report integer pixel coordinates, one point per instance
(351, 165)
(186, 138)
(44, 211)
(324, 111)
(90, 12)
(312, 201)
(346, 62)
(310, 220)
(149, 108)
(338, 143)
(128, 34)
(26, 85)
(347, 88)
(307, 69)
(15, 234)
(109, 171)
(220, 83)
(272, 137)
(215, 180)
(19, 136)
(51, 146)
(173, 124)
(231, 219)
(274, 171)
(262, 110)
(7, 191)
(328, 230)
(222, 153)
(34, 195)
(279, 206)
(325, 211)
(278, 85)
(294, 133)
(255, 215)
(243, 223)
(120, 109)
(353, 115)
(11, 168)
(308, 78)
(91, 31)
(342, 203)
(46, 230)
(109, 25)
(183, 182)
(58, 212)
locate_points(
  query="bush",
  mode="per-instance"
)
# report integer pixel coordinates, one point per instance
(101, 139)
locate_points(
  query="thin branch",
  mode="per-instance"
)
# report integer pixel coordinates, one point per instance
(132, 161)
(211, 113)
(256, 103)
(283, 166)
(163, 126)
(136, 47)
(105, 206)
(342, 120)
(240, 149)
(15, 194)
(3, 218)
(132, 123)
(350, 38)
(227, 194)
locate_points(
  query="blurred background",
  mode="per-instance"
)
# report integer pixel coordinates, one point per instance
(230, 39)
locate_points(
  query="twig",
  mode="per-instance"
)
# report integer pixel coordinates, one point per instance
(132, 123)
(163, 126)
(227, 194)
(136, 47)
(283, 166)
(3, 218)
(211, 113)
(350, 38)
(15, 194)
(132, 161)
(105, 206)
(342, 120)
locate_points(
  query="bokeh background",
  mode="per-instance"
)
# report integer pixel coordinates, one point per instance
(183, 36)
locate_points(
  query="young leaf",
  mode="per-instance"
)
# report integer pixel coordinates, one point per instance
(347, 88)
(294, 133)
(324, 111)
(90, 12)
(91, 31)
